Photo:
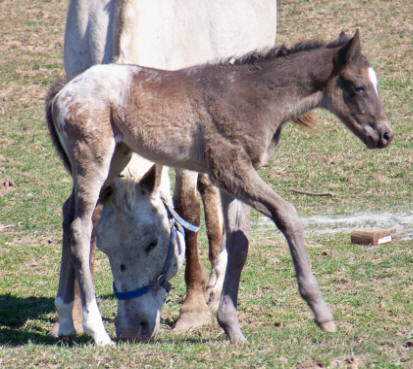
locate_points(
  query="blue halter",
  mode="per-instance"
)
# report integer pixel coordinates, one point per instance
(177, 225)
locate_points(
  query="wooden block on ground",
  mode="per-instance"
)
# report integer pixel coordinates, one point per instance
(370, 236)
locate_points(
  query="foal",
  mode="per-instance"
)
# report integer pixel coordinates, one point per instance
(224, 120)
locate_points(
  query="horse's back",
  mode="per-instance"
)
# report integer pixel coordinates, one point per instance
(166, 35)
(190, 32)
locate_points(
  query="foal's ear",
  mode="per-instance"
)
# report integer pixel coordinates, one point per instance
(152, 178)
(342, 36)
(349, 51)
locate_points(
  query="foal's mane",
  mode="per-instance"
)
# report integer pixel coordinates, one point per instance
(257, 56)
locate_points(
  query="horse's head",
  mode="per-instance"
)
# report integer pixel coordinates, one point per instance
(352, 94)
(144, 251)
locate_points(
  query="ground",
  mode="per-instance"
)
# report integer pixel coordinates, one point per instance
(369, 289)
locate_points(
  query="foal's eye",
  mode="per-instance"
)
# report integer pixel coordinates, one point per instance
(151, 245)
(359, 90)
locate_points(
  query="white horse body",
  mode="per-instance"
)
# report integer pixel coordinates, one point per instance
(162, 34)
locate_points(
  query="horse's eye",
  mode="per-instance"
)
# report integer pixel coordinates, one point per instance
(122, 267)
(151, 245)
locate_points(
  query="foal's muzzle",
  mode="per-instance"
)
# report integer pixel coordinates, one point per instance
(378, 136)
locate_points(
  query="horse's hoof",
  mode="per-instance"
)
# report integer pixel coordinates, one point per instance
(328, 326)
(192, 319)
(54, 331)
(212, 296)
(104, 340)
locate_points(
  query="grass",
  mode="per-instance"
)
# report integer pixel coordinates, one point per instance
(370, 289)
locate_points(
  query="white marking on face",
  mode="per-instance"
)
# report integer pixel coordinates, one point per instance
(373, 78)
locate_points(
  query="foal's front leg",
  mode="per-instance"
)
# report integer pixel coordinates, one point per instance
(211, 198)
(247, 186)
(236, 240)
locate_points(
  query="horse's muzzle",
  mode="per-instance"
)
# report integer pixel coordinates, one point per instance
(140, 333)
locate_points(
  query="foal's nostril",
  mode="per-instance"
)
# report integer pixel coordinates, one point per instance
(387, 137)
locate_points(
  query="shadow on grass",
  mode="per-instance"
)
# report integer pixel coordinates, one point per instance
(16, 311)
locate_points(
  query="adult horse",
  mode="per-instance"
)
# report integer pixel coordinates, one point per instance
(171, 35)
(221, 119)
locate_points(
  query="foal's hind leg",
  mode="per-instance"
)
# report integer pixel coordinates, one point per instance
(70, 314)
(77, 303)
(119, 160)
(88, 179)
(241, 180)
(86, 196)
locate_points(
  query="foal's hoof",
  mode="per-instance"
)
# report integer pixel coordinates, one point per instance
(239, 340)
(328, 326)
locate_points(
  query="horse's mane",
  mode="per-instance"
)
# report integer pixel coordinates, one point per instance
(257, 56)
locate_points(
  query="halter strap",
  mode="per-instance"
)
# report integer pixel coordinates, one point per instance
(177, 224)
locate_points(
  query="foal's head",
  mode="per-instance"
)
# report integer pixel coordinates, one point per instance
(352, 94)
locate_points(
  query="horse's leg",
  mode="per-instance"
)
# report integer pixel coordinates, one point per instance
(211, 200)
(194, 312)
(241, 180)
(237, 226)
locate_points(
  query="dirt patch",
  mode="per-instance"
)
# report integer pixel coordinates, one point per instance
(400, 224)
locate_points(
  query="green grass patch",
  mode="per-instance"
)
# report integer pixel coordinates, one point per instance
(369, 289)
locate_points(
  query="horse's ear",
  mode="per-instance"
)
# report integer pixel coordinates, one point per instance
(152, 178)
(349, 51)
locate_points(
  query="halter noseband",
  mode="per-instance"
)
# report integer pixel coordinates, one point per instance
(177, 224)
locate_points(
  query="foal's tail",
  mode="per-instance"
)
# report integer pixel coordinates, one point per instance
(307, 120)
(53, 91)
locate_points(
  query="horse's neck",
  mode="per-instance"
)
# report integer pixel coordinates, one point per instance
(295, 84)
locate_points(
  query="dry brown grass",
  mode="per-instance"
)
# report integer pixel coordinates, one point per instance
(369, 289)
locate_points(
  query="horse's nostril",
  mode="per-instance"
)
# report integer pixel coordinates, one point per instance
(144, 327)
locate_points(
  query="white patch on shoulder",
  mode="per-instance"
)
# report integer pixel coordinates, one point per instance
(373, 78)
